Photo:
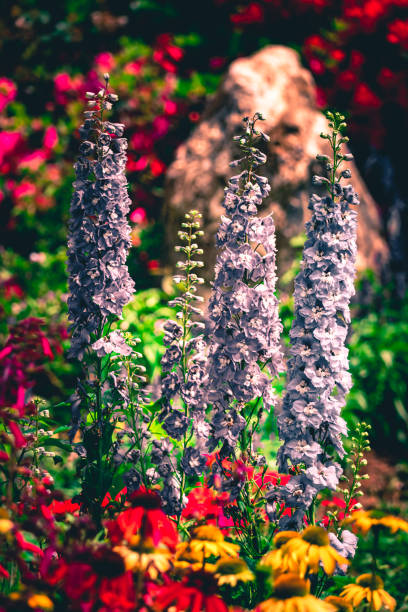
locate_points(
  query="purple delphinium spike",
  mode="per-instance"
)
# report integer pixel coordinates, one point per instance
(310, 425)
(100, 286)
(244, 322)
(99, 235)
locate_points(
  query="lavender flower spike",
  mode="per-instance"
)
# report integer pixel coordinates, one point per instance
(310, 425)
(243, 309)
(99, 235)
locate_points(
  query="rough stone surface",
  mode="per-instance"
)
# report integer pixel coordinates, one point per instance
(274, 83)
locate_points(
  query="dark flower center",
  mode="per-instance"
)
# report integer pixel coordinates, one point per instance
(291, 585)
(316, 535)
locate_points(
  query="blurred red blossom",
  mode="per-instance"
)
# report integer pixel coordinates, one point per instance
(253, 13)
(8, 92)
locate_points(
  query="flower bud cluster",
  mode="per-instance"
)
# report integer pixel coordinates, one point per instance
(184, 377)
(99, 235)
(243, 309)
(310, 424)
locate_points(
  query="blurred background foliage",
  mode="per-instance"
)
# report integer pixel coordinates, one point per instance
(165, 58)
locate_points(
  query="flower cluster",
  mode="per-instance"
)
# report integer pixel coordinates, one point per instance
(22, 356)
(310, 425)
(184, 378)
(243, 309)
(98, 243)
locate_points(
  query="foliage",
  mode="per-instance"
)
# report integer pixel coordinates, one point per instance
(378, 360)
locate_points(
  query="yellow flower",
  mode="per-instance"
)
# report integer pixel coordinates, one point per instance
(209, 540)
(310, 548)
(186, 559)
(231, 571)
(275, 559)
(41, 601)
(340, 604)
(5, 525)
(364, 520)
(368, 588)
(146, 558)
(292, 594)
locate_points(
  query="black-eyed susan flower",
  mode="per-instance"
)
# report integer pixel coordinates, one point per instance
(209, 541)
(277, 561)
(292, 594)
(232, 571)
(311, 548)
(186, 559)
(369, 588)
(364, 520)
(340, 604)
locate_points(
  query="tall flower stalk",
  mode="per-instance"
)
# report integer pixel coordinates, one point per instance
(100, 286)
(244, 350)
(180, 456)
(243, 309)
(310, 425)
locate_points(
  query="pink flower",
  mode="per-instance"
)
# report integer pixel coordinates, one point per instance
(19, 439)
(33, 160)
(10, 142)
(139, 165)
(161, 126)
(104, 62)
(8, 92)
(133, 67)
(50, 137)
(170, 107)
(317, 66)
(24, 190)
(46, 348)
(138, 215)
(65, 84)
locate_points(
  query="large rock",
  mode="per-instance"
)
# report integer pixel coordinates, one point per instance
(274, 83)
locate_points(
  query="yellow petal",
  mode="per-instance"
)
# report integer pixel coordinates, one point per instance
(328, 561)
(387, 599)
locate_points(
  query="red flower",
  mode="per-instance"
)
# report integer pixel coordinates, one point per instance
(196, 593)
(146, 517)
(253, 13)
(347, 79)
(317, 66)
(205, 503)
(4, 573)
(357, 59)
(366, 98)
(398, 33)
(334, 504)
(157, 167)
(63, 507)
(316, 43)
(387, 78)
(80, 579)
(24, 545)
(118, 594)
